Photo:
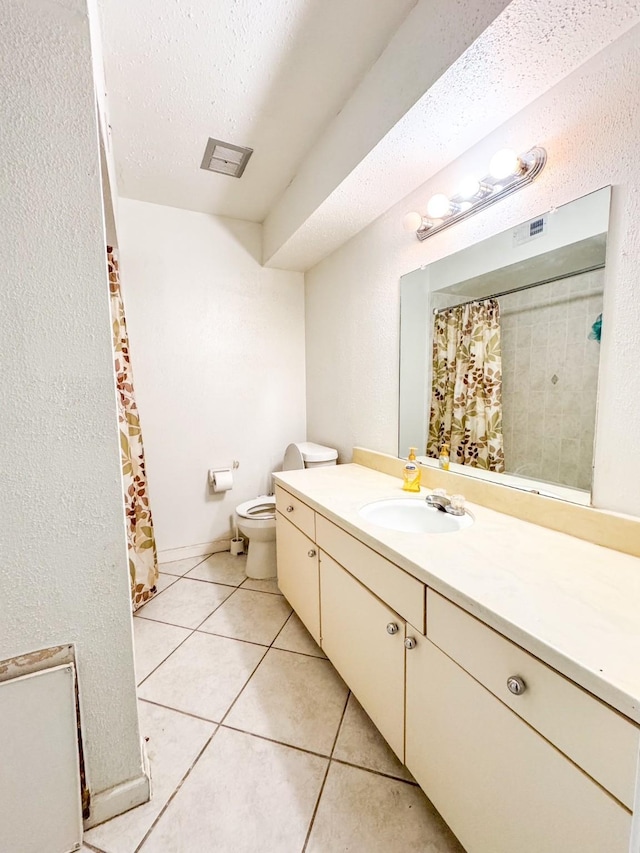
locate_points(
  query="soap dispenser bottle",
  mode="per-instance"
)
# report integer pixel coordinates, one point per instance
(411, 473)
(444, 457)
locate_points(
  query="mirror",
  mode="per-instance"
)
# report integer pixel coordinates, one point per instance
(499, 352)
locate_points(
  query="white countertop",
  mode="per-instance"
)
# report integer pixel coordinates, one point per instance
(573, 604)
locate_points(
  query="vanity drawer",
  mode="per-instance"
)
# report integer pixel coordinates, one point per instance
(402, 592)
(596, 737)
(296, 511)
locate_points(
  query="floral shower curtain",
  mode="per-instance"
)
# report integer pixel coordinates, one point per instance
(466, 401)
(143, 559)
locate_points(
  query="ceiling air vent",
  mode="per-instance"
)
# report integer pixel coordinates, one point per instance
(226, 158)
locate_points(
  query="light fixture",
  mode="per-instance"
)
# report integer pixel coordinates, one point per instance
(440, 206)
(414, 221)
(470, 188)
(508, 172)
(505, 163)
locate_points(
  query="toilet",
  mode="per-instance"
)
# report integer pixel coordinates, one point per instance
(256, 518)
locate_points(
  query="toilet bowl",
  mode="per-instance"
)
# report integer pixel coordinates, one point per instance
(257, 522)
(256, 518)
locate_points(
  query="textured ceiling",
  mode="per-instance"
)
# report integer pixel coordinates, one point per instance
(350, 105)
(525, 51)
(268, 74)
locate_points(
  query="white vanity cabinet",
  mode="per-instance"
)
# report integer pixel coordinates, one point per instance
(540, 766)
(513, 754)
(298, 563)
(364, 639)
(499, 785)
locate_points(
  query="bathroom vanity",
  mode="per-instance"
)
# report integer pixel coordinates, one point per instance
(500, 662)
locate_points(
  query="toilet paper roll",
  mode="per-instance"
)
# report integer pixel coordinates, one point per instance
(221, 481)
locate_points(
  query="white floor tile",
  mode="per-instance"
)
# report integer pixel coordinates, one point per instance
(153, 642)
(221, 568)
(180, 567)
(243, 796)
(360, 742)
(174, 741)
(295, 699)
(186, 603)
(203, 676)
(164, 581)
(294, 637)
(267, 585)
(247, 615)
(361, 811)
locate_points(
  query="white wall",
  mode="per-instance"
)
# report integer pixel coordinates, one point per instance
(63, 561)
(217, 346)
(588, 124)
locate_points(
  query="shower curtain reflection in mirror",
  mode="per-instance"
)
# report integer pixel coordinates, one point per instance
(518, 402)
(466, 396)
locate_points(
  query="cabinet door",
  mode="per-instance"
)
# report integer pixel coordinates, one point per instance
(356, 640)
(500, 786)
(298, 577)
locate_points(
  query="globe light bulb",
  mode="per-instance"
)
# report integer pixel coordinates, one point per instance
(412, 221)
(465, 205)
(469, 187)
(439, 206)
(504, 163)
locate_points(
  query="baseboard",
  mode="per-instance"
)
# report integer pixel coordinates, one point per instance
(119, 799)
(169, 555)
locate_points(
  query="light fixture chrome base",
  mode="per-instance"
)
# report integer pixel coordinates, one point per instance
(492, 190)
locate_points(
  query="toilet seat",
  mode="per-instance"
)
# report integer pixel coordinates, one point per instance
(262, 508)
(293, 458)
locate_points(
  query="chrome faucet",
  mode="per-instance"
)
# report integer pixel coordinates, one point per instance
(440, 502)
(443, 503)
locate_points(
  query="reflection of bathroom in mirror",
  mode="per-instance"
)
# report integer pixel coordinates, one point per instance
(499, 352)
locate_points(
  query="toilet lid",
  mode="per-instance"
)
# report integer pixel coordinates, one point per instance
(262, 508)
(293, 459)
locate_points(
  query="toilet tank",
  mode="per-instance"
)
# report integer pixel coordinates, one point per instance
(306, 454)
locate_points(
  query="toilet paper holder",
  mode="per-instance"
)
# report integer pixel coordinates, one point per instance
(221, 470)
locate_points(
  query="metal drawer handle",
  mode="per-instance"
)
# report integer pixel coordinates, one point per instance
(289, 508)
(392, 628)
(516, 684)
(312, 552)
(409, 643)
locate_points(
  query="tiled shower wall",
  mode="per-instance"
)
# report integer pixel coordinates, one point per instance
(550, 379)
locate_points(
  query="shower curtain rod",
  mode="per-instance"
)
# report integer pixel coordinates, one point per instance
(523, 287)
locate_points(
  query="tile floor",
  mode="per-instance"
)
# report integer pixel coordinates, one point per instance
(255, 743)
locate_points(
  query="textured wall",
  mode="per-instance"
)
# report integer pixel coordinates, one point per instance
(217, 343)
(588, 123)
(63, 564)
(550, 385)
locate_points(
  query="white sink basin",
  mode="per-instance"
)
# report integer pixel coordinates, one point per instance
(413, 515)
